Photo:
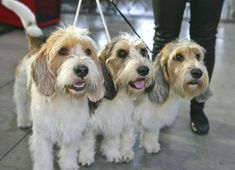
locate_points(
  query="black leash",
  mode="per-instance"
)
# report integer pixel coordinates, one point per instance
(128, 22)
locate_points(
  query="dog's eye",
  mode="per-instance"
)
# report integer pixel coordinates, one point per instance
(198, 57)
(64, 51)
(88, 51)
(144, 52)
(179, 57)
(122, 53)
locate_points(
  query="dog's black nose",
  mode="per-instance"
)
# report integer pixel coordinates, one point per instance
(196, 73)
(81, 70)
(143, 70)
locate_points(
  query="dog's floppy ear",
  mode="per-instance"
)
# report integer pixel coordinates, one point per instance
(110, 90)
(160, 91)
(42, 76)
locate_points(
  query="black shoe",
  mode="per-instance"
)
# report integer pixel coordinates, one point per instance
(199, 122)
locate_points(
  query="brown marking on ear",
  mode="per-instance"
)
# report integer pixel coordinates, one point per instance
(163, 59)
(160, 91)
(103, 54)
(110, 90)
(42, 76)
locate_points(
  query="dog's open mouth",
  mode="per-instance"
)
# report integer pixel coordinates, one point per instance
(78, 85)
(193, 82)
(137, 84)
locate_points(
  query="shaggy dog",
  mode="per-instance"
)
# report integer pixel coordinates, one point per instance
(128, 76)
(55, 80)
(180, 74)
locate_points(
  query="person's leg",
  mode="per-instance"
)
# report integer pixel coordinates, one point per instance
(233, 8)
(167, 18)
(205, 16)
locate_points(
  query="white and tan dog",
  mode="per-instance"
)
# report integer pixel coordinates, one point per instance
(180, 74)
(62, 75)
(128, 75)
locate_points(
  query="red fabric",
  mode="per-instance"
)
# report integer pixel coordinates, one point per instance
(46, 12)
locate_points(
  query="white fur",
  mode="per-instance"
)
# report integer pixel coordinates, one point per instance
(21, 96)
(60, 120)
(34, 30)
(113, 120)
(61, 117)
(151, 117)
(26, 16)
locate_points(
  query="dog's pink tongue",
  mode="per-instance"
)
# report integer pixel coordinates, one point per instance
(139, 84)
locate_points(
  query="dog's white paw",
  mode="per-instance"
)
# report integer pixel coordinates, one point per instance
(23, 123)
(152, 148)
(127, 155)
(86, 159)
(113, 156)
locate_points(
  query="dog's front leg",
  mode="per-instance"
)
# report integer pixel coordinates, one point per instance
(42, 152)
(87, 148)
(127, 143)
(68, 156)
(150, 141)
(111, 148)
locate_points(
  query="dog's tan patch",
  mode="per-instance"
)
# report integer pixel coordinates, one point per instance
(177, 59)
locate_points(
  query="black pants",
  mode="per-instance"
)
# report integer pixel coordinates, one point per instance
(205, 16)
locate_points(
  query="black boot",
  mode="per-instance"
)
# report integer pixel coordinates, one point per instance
(199, 122)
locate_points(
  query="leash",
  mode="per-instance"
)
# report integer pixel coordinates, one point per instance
(103, 20)
(101, 14)
(77, 12)
(128, 22)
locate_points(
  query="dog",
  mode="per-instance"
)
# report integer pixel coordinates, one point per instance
(128, 75)
(180, 74)
(57, 79)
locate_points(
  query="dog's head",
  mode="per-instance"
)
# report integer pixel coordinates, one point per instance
(67, 63)
(126, 65)
(180, 66)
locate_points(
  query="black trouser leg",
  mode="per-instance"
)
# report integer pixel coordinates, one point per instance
(205, 16)
(168, 16)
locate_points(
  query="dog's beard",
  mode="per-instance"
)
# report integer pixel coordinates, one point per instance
(133, 83)
(188, 87)
(76, 89)
(129, 79)
(72, 85)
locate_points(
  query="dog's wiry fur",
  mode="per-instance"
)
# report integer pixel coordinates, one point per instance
(120, 61)
(174, 81)
(60, 111)
(54, 82)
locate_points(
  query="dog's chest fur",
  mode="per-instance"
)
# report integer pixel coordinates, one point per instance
(112, 116)
(60, 119)
(153, 115)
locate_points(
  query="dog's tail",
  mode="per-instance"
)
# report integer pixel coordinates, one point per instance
(33, 33)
